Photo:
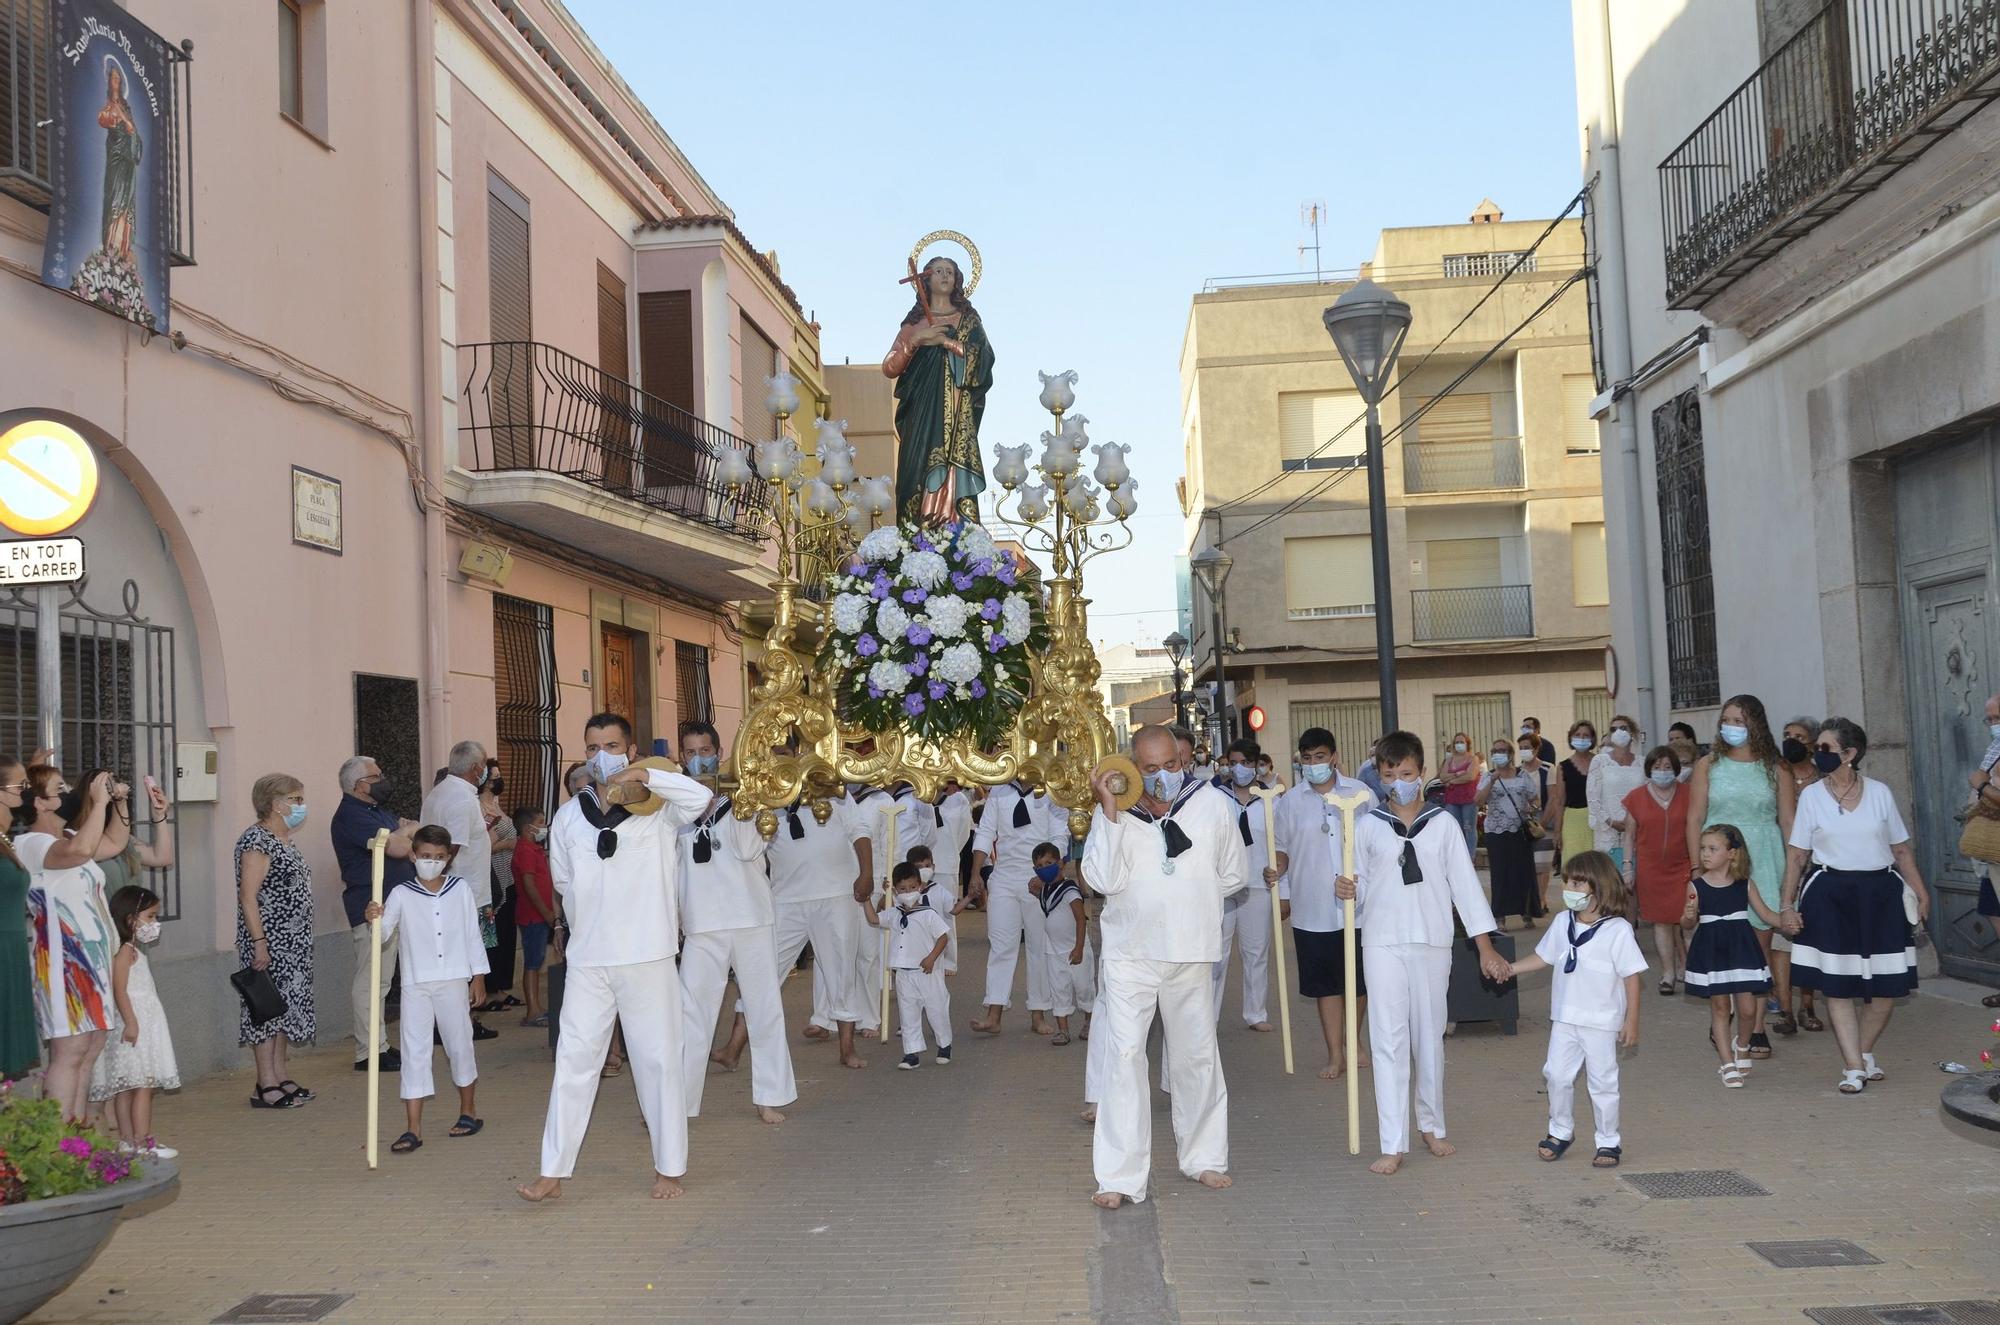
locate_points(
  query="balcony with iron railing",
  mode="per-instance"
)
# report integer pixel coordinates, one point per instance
(1489, 612)
(1484, 466)
(1859, 92)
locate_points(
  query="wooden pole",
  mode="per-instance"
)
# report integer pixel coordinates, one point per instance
(889, 894)
(377, 847)
(1269, 796)
(1348, 804)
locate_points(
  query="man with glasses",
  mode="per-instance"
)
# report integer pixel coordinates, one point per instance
(616, 868)
(364, 808)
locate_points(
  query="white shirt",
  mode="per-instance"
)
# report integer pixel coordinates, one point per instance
(1309, 834)
(939, 898)
(1606, 788)
(453, 805)
(732, 889)
(910, 944)
(821, 864)
(954, 827)
(438, 932)
(1594, 993)
(1858, 839)
(1256, 852)
(1416, 912)
(1152, 913)
(916, 823)
(1011, 850)
(626, 909)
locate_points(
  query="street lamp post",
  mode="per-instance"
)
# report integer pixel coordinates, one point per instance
(1177, 649)
(1212, 569)
(1368, 325)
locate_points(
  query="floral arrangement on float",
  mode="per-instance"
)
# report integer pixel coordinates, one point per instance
(931, 630)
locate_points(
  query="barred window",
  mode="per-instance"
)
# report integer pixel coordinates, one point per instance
(693, 696)
(1694, 680)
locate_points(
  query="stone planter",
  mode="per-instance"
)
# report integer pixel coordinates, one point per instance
(44, 1245)
(1971, 1107)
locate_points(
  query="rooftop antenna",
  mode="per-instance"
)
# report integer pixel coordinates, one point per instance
(1311, 214)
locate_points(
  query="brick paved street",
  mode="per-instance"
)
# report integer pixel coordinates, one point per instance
(960, 1195)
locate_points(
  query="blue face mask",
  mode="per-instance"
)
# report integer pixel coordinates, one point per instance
(1243, 774)
(294, 816)
(1664, 777)
(1048, 873)
(1733, 734)
(700, 766)
(1580, 743)
(1166, 783)
(1994, 729)
(1404, 791)
(1317, 774)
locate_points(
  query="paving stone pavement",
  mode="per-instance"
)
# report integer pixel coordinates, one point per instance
(961, 1195)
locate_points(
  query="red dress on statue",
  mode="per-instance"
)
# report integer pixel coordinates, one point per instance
(1660, 864)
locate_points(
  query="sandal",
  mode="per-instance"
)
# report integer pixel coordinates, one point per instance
(1873, 1072)
(1990, 1001)
(1061, 1037)
(1853, 1081)
(511, 1002)
(1760, 1045)
(1743, 1060)
(612, 1067)
(1666, 988)
(466, 1125)
(1732, 1076)
(303, 1095)
(405, 1143)
(1552, 1147)
(1608, 1157)
(1808, 1021)
(285, 1100)
(1785, 1024)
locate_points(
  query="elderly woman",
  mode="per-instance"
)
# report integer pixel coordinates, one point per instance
(1849, 913)
(274, 932)
(1511, 796)
(1460, 774)
(1616, 773)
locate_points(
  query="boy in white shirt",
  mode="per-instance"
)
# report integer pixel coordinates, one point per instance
(916, 820)
(1412, 871)
(916, 946)
(940, 897)
(435, 918)
(1065, 941)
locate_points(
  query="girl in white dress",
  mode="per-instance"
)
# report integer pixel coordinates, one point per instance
(140, 1059)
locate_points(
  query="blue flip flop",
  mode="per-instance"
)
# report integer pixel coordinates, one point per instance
(466, 1125)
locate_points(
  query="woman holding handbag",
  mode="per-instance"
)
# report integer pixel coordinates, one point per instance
(274, 933)
(1513, 801)
(1980, 839)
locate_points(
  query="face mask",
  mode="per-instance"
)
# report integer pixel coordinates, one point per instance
(605, 765)
(1406, 790)
(1733, 734)
(1501, 759)
(1826, 761)
(1664, 777)
(294, 816)
(539, 835)
(1529, 752)
(1243, 774)
(1620, 737)
(485, 776)
(1048, 873)
(1579, 743)
(1993, 729)
(700, 766)
(926, 873)
(1796, 751)
(1165, 784)
(1458, 747)
(1525, 733)
(1575, 900)
(907, 901)
(429, 869)
(1317, 774)
(149, 932)
(1685, 774)
(382, 792)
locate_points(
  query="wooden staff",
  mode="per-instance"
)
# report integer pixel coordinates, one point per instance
(1269, 795)
(889, 893)
(1349, 804)
(377, 846)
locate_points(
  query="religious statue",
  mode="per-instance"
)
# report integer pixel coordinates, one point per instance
(122, 149)
(943, 366)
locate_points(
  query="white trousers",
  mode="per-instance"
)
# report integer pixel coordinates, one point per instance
(1011, 916)
(646, 997)
(833, 926)
(1122, 1146)
(1247, 918)
(1596, 1051)
(706, 960)
(949, 882)
(1406, 1017)
(1071, 988)
(447, 1005)
(359, 991)
(870, 952)
(921, 997)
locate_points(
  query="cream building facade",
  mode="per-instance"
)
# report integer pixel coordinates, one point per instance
(1495, 527)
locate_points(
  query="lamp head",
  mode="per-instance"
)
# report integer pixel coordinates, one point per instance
(1368, 325)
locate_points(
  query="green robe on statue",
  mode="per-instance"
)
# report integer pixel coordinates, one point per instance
(940, 398)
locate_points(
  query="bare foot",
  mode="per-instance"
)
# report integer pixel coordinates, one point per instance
(1332, 1072)
(665, 1188)
(1438, 1145)
(1362, 1062)
(817, 1033)
(1107, 1200)
(1261, 1026)
(866, 1033)
(1214, 1181)
(1089, 1113)
(986, 1026)
(1386, 1165)
(1040, 1026)
(853, 1060)
(723, 1059)
(769, 1115)
(541, 1189)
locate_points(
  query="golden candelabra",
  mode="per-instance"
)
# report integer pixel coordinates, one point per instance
(794, 746)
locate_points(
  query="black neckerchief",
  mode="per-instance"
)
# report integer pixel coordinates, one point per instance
(904, 916)
(1569, 963)
(704, 839)
(797, 828)
(605, 819)
(1243, 815)
(1177, 838)
(1022, 818)
(1413, 872)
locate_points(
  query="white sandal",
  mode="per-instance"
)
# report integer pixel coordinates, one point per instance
(1873, 1072)
(1732, 1077)
(1742, 1051)
(1853, 1081)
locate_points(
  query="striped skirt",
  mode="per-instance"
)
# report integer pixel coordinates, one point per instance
(1857, 941)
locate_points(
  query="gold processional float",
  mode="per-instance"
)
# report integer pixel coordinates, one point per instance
(901, 643)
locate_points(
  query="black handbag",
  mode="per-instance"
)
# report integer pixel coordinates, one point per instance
(260, 995)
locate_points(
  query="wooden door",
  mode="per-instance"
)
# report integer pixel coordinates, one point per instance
(617, 429)
(620, 687)
(669, 445)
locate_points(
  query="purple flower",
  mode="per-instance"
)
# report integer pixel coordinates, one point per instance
(918, 634)
(915, 596)
(867, 646)
(879, 588)
(874, 691)
(919, 665)
(990, 610)
(960, 581)
(913, 704)
(937, 689)
(978, 688)
(1005, 575)
(983, 566)
(74, 1145)
(924, 544)
(996, 644)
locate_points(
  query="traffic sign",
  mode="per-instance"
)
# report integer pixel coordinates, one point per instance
(41, 561)
(1255, 717)
(48, 477)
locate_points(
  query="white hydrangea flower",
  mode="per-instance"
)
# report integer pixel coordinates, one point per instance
(947, 614)
(925, 568)
(891, 620)
(1016, 617)
(961, 692)
(975, 544)
(885, 544)
(959, 665)
(889, 677)
(850, 613)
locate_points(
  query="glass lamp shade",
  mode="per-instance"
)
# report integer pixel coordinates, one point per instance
(1112, 470)
(1125, 501)
(1212, 569)
(1368, 325)
(1176, 646)
(877, 495)
(1035, 504)
(782, 395)
(1010, 465)
(1058, 390)
(1075, 427)
(821, 499)
(732, 466)
(858, 521)
(837, 465)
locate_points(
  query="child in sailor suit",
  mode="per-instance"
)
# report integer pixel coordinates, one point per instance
(941, 897)
(916, 820)
(916, 946)
(1072, 983)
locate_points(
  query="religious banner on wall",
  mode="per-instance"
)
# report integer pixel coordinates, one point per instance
(108, 220)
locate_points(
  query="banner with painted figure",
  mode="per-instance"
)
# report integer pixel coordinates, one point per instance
(108, 221)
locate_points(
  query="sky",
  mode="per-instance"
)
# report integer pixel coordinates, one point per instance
(1106, 158)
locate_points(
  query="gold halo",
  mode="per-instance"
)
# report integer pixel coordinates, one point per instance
(972, 251)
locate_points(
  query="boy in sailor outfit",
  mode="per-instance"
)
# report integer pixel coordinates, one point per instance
(916, 947)
(435, 918)
(916, 821)
(1065, 942)
(1015, 821)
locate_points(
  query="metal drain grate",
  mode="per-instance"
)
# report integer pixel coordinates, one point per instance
(1910, 1313)
(1692, 1184)
(282, 1309)
(1815, 1254)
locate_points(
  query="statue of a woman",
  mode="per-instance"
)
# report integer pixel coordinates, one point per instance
(943, 365)
(122, 150)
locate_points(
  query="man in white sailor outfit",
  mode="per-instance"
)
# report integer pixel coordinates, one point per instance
(1246, 916)
(820, 875)
(616, 873)
(728, 919)
(953, 831)
(1164, 867)
(1412, 871)
(1014, 822)
(916, 823)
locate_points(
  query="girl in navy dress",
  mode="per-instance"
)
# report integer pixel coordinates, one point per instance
(1725, 962)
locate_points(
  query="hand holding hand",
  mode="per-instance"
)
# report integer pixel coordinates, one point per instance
(1496, 968)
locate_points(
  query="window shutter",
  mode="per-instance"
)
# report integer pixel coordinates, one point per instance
(1462, 563)
(1329, 577)
(614, 353)
(666, 346)
(511, 314)
(1308, 423)
(760, 360)
(1579, 429)
(617, 429)
(1456, 418)
(1587, 565)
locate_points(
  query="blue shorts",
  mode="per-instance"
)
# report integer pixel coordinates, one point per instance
(534, 944)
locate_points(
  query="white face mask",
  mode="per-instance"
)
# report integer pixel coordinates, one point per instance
(429, 869)
(604, 765)
(1620, 737)
(147, 932)
(1458, 747)
(908, 901)
(926, 873)
(1501, 758)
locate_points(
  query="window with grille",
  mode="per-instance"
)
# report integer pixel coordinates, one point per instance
(1487, 264)
(524, 702)
(1329, 577)
(1482, 717)
(1694, 681)
(1356, 724)
(1322, 430)
(693, 698)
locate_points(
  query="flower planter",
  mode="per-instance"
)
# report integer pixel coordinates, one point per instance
(1970, 1107)
(45, 1245)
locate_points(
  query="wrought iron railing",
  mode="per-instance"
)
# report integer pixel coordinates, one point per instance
(1463, 466)
(1499, 611)
(1864, 88)
(530, 406)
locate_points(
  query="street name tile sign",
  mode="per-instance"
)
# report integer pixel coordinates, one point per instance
(41, 561)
